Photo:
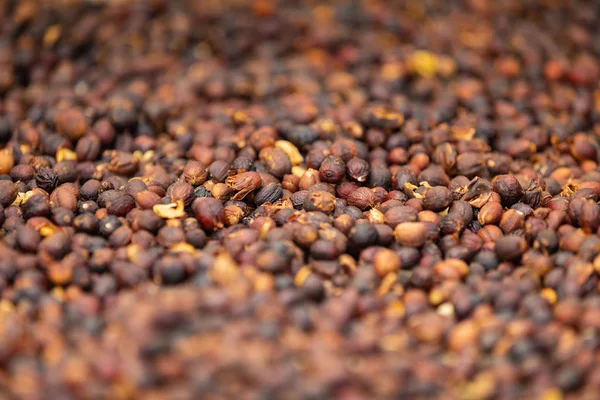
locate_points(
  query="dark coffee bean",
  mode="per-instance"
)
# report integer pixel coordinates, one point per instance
(332, 169)
(269, 193)
(510, 248)
(109, 224)
(46, 179)
(362, 236)
(509, 189)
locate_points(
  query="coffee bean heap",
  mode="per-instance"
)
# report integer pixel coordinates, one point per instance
(277, 199)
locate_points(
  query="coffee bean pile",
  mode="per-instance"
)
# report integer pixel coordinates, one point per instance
(281, 199)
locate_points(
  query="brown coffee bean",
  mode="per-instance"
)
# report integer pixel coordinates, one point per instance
(7, 160)
(120, 204)
(413, 234)
(277, 161)
(8, 192)
(195, 173)
(181, 191)
(209, 212)
(386, 261)
(358, 169)
(510, 248)
(88, 148)
(123, 163)
(362, 198)
(509, 189)
(64, 198)
(511, 221)
(332, 169)
(244, 184)
(490, 213)
(28, 238)
(438, 198)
